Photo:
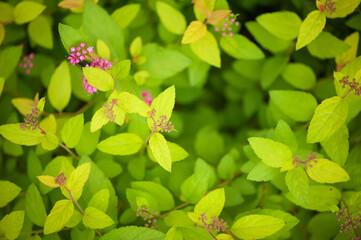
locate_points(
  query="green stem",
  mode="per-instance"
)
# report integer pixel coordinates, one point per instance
(69, 151)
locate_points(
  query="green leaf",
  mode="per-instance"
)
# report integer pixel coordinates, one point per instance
(163, 105)
(134, 233)
(297, 105)
(98, 120)
(48, 181)
(99, 78)
(97, 24)
(136, 46)
(329, 116)
(226, 167)
(40, 32)
(96, 219)
(207, 49)
(327, 46)
(350, 55)
(58, 216)
(103, 49)
(9, 59)
(266, 39)
(13, 133)
(59, 90)
(34, 206)
(285, 135)
(12, 224)
(121, 69)
(121, 144)
(26, 11)
(158, 146)
(240, 47)
(161, 194)
(211, 204)
(195, 186)
(325, 171)
(8, 191)
(34, 167)
(78, 178)
(262, 172)
(172, 19)
(7, 12)
(71, 37)
(256, 226)
(88, 141)
(311, 27)
(272, 153)
(130, 103)
(337, 145)
(284, 25)
(177, 153)
(72, 129)
(74, 220)
(139, 199)
(162, 62)
(209, 144)
(298, 184)
(272, 69)
(195, 31)
(2, 82)
(100, 200)
(126, 14)
(299, 75)
(50, 142)
(343, 8)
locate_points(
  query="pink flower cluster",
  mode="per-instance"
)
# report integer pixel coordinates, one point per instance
(103, 64)
(147, 97)
(78, 53)
(162, 124)
(151, 218)
(226, 28)
(27, 63)
(328, 6)
(216, 224)
(311, 158)
(348, 221)
(352, 84)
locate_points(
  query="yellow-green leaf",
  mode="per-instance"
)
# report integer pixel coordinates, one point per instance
(96, 219)
(78, 178)
(311, 27)
(195, 30)
(298, 184)
(2, 35)
(7, 12)
(40, 31)
(217, 16)
(8, 191)
(59, 216)
(98, 120)
(100, 200)
(2, 82)
(59, 90)
(103, 49)
(343, 8)
(326, 171)
(130, 103)
(25, 11)
(211, 204)
(158, 146)
(136, 47)
(256, 226)
(350, 55)
(240, 47)
(126, 14)
(121, 144)
(13, 133)
(207, 49)
(172, 19)
(12, 224)
(72, 130)
(329, 116)
(23, 105)
(99, 78)
(49, 141)
(48, 181)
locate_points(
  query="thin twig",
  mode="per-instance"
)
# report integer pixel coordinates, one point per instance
(69, 151)
(348, 213)
(74, 201)
(225, 183)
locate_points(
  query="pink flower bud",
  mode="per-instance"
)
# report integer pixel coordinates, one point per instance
(82, 45)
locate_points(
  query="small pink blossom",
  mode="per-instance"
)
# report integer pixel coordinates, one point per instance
(90, 49)
(147, 97)
(226, 28)
(27, 63)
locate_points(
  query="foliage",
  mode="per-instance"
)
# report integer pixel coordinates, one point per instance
(164, 119)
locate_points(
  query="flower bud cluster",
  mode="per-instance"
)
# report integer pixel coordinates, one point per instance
(108, 111)
(61, 179)
(31, 121)
(309, 160)
(227, 24)
(348, 222)
(161, 125)
(27, 63)
(329, 6)
(150, 218)
(216, 224)
(352, 84)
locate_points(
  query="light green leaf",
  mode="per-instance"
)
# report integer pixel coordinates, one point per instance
(272, 153)
(99, 78)
(326, 171)
(256, 226)
(266, 39)
(158, 146)
(172, 19)
(23, 105)
(9, 59)
(272, 69)
(74, 220)
(329, 116)
(48, 181)
(297, 105)
(72, 129)
(40, 32)
(177, 153)
(59, 90)
(78, 178)
(299, 75)
(161, 194)
(327, 46)
(285, 135)
(26, 11)
(284, 25)
(130, 103)
(212, 204)
(50, 142)
(13, 133)
(103, 49)
(126, 14)
(262, 172)
(88, 141)
(8, 191)
(226, 167)
(2, 82)
(134, 233)
(12, 224)
(298, 184)
(34, 206)
(100, 200)
(98, 120)
(58, 216)
(136, 47)
(240, 47)
(207, 49)
(337, 145)
(121, 69)
(121, 144)
(343, 8)
(195, 31)
(7, 12)
(311, 27)
(96, 219)
(70, 36)
(350, 55)
(163, 105)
